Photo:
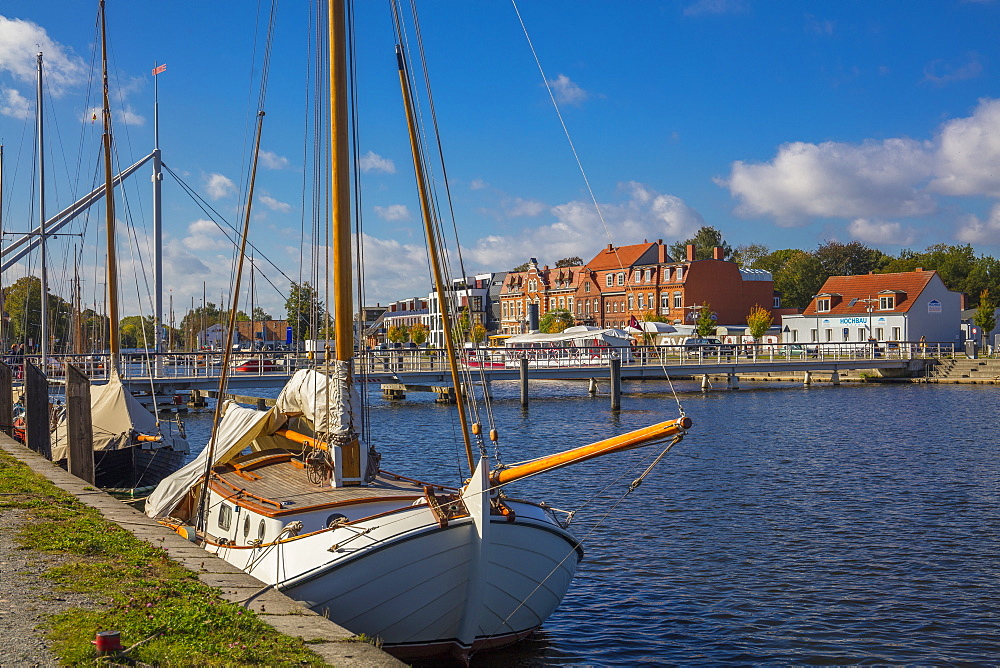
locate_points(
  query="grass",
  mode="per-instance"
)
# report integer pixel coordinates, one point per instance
(141, 592)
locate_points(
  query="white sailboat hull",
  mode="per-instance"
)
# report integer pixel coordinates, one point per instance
(422, 589)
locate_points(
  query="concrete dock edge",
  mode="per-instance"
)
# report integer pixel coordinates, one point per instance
(286, 615)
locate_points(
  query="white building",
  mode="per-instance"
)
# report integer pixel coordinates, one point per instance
(887, 307)
(472, 292)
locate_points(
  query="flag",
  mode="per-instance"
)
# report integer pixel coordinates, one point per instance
(159, 70)
(633, 323)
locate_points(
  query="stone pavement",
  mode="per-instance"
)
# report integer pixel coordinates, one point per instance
(22, 606)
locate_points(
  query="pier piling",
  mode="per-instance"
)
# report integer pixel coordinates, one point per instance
(616, 383)
(524, 382)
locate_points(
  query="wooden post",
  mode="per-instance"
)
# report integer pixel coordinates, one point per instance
(79, 426)
(6, 400)
(616, 383)
(36, 410)
(524, 382)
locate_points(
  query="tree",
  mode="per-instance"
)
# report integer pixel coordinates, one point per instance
(305, 311)
(260, 314)
(520, 267)
(985, 317)
(555, 321)
(704, 240)
(23, 302)
(419, 333)
(463, 324)
(958, 267)
(137, 331)
(198, 319)
(747, 255)
(398, 333)
(478, 333)
(759, 320)
(569, 262)
(851, 259)
(705, 322)
(799, 279)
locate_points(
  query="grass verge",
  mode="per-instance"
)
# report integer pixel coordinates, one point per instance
(147, 597)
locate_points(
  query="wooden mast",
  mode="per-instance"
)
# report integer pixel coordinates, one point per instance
(109, 205)
(435, 258)
(340, 188)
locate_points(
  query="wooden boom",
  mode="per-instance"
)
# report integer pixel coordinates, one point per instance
(632, 439)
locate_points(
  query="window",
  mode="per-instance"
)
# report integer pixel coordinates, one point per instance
(665, 301)
(649, 298)
(880, 334)
(680, 274)
(609, 279)
(637, 276)
(586, 286)
(823, 304)
(649, 275)
(896, 334)
(887, 302)
(246, 525)
(666, 274)
(569, 303)
(261, 528)
(597, 309)
(608, 307)
(777, 301)
(225, 517)
(813, 335)
(862, 334)
(642, 302)
(829, 334)
(562, 302)
(631, 302)
(795, 335)
(678, 299)
(621, 278)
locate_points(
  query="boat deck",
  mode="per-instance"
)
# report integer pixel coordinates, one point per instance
(273, 482)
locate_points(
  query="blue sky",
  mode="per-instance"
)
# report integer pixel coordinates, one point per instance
(784, 124)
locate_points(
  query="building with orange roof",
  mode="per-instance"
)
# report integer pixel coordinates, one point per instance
(902, 306)
(538, 287)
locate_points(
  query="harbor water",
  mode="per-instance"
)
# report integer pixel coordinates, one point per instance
(832, 525)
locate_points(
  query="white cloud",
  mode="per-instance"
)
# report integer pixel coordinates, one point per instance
(578, 230)
(478, 184)
(373, 162)
(835, 180)
(716, 7)
(275, 205)
(941, 73)
(393, 212)
(969, 152)
(15, 105)
(396, 270)
(20, 43)
(218, 186)
(976, 231)
(818, 26)
(130, 117)
(205, 235)
(880, 232)
(566, 91)
(272, 160)
(518, 207)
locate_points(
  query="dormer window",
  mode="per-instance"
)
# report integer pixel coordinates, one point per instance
(680, 274)
(887, 302)
(609, 280)
(621, 278)
(823, 304)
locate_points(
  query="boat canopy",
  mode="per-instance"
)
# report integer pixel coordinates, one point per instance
(575, 337)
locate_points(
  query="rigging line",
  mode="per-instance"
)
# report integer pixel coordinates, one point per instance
(209, 211)
(569, 139)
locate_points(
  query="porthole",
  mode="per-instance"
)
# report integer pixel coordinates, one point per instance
(333, 519)
(260, 530)
(225, 517)
(246, 525)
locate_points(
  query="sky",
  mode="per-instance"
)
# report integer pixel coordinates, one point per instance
(781, 124)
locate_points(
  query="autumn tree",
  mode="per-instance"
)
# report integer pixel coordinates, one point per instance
(398, 333)
(555, 321)
(704, 240)
(419, 333)
(759, 320)
(478, 333)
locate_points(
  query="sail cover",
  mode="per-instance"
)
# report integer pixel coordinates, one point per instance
(116, 415)
(322, 398)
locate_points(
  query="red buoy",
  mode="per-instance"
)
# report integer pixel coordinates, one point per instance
(108, 641)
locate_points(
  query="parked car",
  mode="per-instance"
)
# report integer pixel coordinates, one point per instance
(707, 347)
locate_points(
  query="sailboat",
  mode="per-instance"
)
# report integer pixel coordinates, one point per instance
(133, 450)
(295, 497)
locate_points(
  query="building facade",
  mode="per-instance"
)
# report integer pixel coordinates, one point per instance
(902, 306)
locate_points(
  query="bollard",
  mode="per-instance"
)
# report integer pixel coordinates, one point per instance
(616, 383)
(807, 378)
(524, 382)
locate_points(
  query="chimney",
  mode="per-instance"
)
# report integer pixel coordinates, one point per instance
(690, 252)
(610, 248)
(718, 253)
(662, 256)
(920, 268)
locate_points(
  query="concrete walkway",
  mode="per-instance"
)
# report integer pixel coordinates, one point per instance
(286, 615)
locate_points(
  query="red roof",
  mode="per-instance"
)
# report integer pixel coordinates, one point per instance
(619, 257)
(844, 289)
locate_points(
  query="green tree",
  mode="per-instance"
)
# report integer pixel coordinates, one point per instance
(704, 240)
(747, 255)
(198, 319)
(705, 323)
(419, 333)
(958, 267)
(985, 317)
(569, 262)
(306, 312)
(260, 314)
(851, 259)
(555, 321)
(520, 267)
(136, 331)
(23, 303)
(759, 320)
(799, 279)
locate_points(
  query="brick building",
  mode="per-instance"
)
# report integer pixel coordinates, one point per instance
(545, 287)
